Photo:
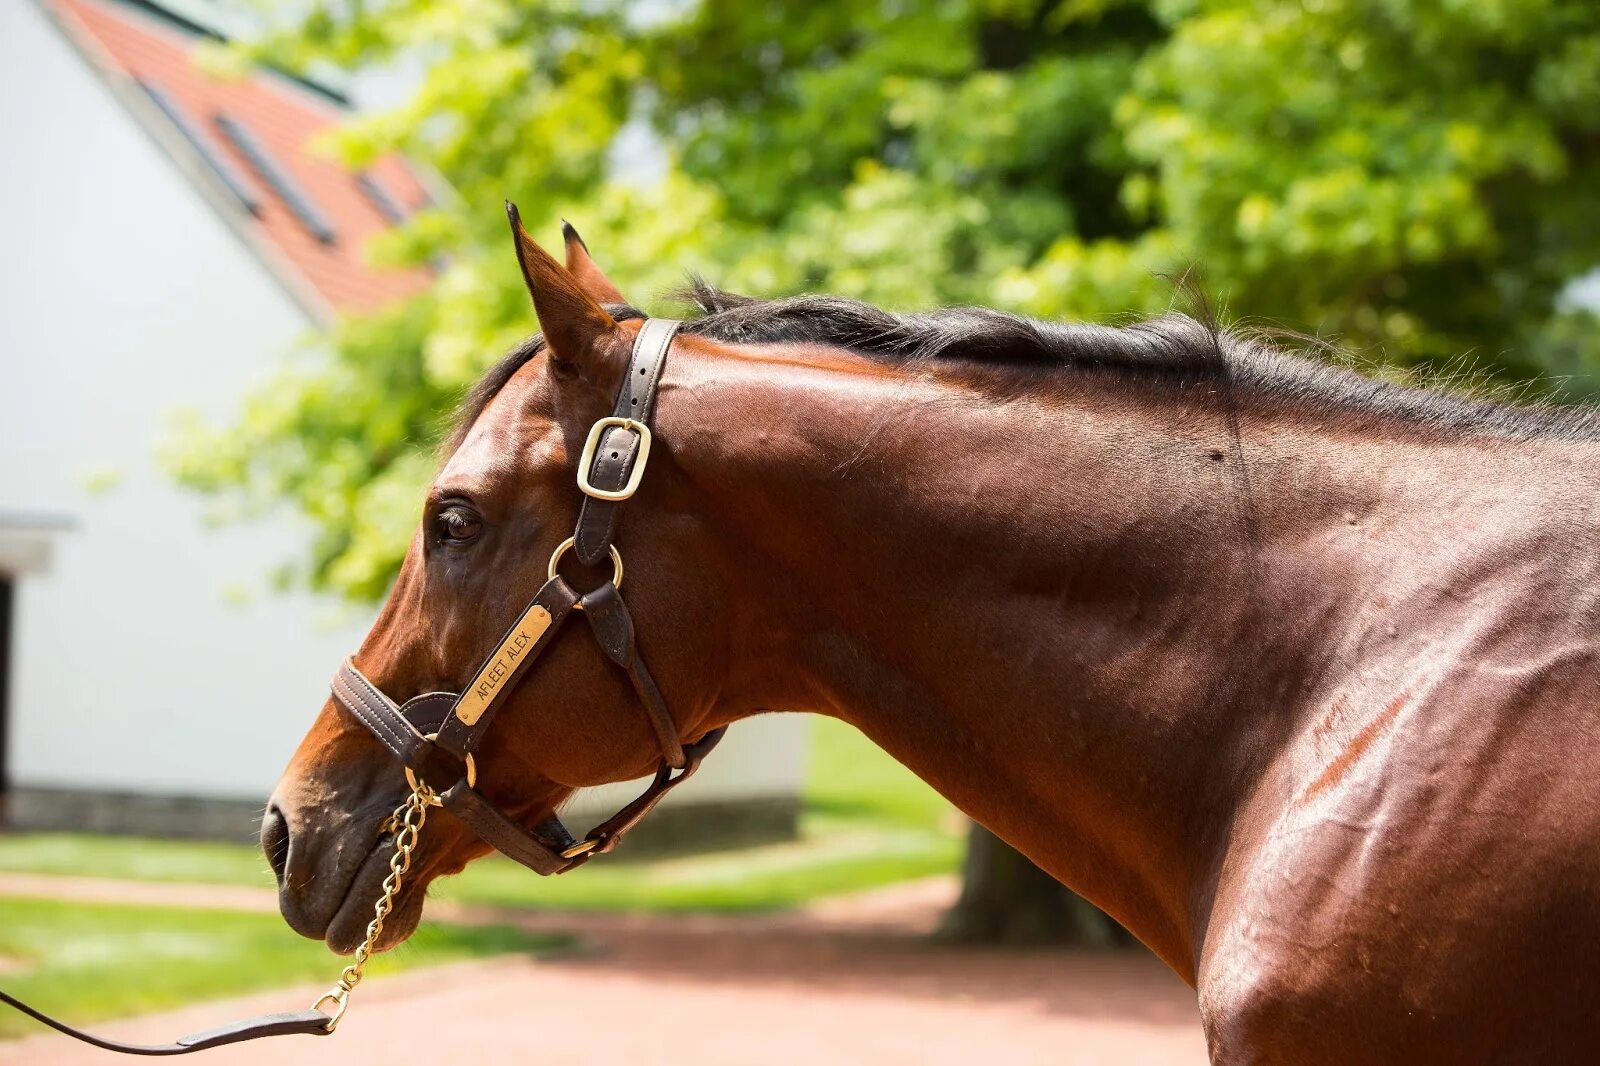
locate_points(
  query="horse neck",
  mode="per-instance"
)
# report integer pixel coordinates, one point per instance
(1066, 610)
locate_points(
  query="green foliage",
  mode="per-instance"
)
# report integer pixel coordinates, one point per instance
(1414, 177)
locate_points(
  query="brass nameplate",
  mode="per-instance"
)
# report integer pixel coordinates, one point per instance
(483, 689)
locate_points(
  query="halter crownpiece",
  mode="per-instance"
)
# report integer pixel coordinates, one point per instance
(435, 735)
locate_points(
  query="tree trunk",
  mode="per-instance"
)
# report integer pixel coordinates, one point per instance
(1007, 900)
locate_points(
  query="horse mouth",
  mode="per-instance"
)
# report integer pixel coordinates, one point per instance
(347, 929)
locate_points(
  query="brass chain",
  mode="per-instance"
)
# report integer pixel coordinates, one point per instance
(406, 822)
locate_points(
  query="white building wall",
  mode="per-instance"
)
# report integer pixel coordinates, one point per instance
(125, 296)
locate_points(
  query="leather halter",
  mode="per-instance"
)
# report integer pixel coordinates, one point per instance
(436, 734)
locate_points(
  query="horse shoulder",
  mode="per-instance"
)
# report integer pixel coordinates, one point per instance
(1417, 855)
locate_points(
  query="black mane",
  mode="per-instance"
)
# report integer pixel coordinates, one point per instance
(1173, 346)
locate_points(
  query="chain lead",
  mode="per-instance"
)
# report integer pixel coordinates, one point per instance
(406, 822)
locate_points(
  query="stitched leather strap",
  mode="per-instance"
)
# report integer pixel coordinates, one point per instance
(613, 627)
(377, 712)
(305, 1022)
(609, 833)
(403, 730)
(539, 849)
(613, 460)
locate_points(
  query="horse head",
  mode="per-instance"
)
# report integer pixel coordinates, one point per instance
(492, 523)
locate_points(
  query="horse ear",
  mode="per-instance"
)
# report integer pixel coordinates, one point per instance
(580, 266)
(574, 324)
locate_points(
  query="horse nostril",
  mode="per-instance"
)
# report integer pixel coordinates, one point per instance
(275, 840)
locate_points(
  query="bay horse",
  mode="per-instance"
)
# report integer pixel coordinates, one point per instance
(1291, 671)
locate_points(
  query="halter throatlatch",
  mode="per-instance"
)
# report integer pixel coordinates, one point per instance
(435, 735)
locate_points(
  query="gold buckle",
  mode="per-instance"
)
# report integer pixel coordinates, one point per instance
(592, 445)
(582, 847)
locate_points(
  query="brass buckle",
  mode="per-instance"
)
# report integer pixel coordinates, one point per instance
(582, 847)
(592, 445)
(428, 794)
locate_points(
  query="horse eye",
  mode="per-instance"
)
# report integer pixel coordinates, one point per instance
(458, 524)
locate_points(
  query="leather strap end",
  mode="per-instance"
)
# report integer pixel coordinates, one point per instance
(292, 1023)
(305, 1022)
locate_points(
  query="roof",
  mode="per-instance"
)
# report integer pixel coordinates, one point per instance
(247, 144)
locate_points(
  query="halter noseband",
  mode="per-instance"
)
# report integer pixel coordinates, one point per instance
(435, 735)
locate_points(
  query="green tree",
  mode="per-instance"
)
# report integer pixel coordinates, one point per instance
(1416, 178)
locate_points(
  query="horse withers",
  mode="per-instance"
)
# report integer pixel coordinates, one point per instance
(1291, 671)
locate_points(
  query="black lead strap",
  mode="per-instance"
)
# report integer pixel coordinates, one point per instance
(305, 1022)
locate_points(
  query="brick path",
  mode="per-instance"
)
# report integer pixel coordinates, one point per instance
(845, 982)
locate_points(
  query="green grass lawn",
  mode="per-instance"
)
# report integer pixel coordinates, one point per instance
(832, 855)
(849, 776)
(134, 858)
(89, 962)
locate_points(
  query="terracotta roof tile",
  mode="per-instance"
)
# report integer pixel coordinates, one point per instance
(284, 118)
